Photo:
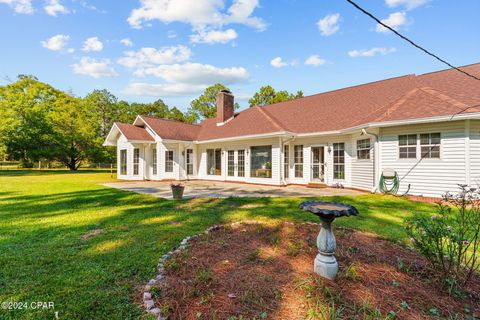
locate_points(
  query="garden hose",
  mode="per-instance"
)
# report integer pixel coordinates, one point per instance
(390, 183)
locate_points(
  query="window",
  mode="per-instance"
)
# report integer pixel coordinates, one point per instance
(363, 149)
(123, 162)
(169, 161)
(136, 160)
(339, 160)
(241, 163)
(430, 145)
(298, 161)
(261, 162)
(189, 161)
(407, 146)
(231, 163)
(214, 162)
(286, 161)
(154, 161)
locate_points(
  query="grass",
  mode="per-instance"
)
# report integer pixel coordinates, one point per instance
(65, 238)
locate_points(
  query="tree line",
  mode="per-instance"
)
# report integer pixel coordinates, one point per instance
(39, 122)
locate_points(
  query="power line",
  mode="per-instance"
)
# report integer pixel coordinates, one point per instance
(410, 41)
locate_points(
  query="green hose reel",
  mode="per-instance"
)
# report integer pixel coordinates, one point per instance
(390, 182)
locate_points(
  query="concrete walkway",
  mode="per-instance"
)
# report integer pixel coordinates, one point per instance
(209, 189)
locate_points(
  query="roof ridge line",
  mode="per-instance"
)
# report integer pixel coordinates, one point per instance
(270, 118)
(444, 97)
(172, 120)
(448, 69)
(397, 103)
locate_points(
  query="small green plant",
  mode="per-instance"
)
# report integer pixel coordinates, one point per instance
(352, 273)
(254, 256)
(172, 264)
(206, 298)
(450, 240)
(294, 248)
(203, 276)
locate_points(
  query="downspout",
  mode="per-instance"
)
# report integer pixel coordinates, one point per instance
(282, 157)
(376, 163)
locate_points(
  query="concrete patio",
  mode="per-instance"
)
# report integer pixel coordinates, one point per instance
(211, 189)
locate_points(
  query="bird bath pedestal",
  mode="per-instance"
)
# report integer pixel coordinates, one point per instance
(325, 263)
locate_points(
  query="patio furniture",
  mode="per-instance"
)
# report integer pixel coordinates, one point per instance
(325, 263)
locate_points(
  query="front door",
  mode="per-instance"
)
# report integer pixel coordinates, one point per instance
(318, 164)
(236, 163)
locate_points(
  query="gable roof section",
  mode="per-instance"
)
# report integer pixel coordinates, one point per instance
(171, 129)
(134, 133)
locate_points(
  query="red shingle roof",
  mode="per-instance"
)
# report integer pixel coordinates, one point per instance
(132, 132)
(174, 130)
(439, 93)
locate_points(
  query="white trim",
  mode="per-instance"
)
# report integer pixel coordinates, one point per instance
(224, 122)
(252, 136)
(467, 153)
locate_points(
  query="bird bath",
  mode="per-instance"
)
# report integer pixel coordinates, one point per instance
(325, 263)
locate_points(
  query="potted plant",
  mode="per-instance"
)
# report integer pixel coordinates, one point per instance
(177, 190)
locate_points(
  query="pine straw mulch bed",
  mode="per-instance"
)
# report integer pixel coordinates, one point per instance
(256, 271)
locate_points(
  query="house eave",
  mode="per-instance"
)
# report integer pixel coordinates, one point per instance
(247, 137)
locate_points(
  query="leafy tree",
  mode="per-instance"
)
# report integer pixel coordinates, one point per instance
(103, 106)
(158, 109)
(205, 106)
(74, 132)
(267, 95)
(24, 129)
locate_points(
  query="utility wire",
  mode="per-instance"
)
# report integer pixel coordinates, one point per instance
(410, 41)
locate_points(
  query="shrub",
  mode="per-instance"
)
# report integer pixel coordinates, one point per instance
(449, 240)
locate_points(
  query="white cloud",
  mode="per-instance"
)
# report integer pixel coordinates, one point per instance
(54, 7)
(20, 6)
(171, 34)
(56, 43)
(163, 89)
(200, 14)
(371, 52)
(315, 60)
(195, 73)
(149, 57)
(94, 68)
(214, 36)
(328, 25)
(395, 20)
(409, 4)
(92, 44)
(127, 42)
(279, 63)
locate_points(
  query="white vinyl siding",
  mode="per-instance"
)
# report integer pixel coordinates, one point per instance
(474, 143)
(363, 171)
(428, 177)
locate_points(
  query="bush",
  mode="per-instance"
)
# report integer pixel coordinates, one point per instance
(450, 239)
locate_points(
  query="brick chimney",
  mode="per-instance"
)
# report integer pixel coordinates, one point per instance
(224, 107)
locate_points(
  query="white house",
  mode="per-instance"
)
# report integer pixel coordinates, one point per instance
(425, 127)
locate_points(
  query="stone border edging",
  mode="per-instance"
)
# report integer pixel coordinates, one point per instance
(148, 302)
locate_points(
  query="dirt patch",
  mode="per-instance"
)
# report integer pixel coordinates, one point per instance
(92, 233)
(265, 272)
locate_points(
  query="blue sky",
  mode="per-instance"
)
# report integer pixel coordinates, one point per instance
(172, 49)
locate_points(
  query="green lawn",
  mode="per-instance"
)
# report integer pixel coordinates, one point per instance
(43, 257)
